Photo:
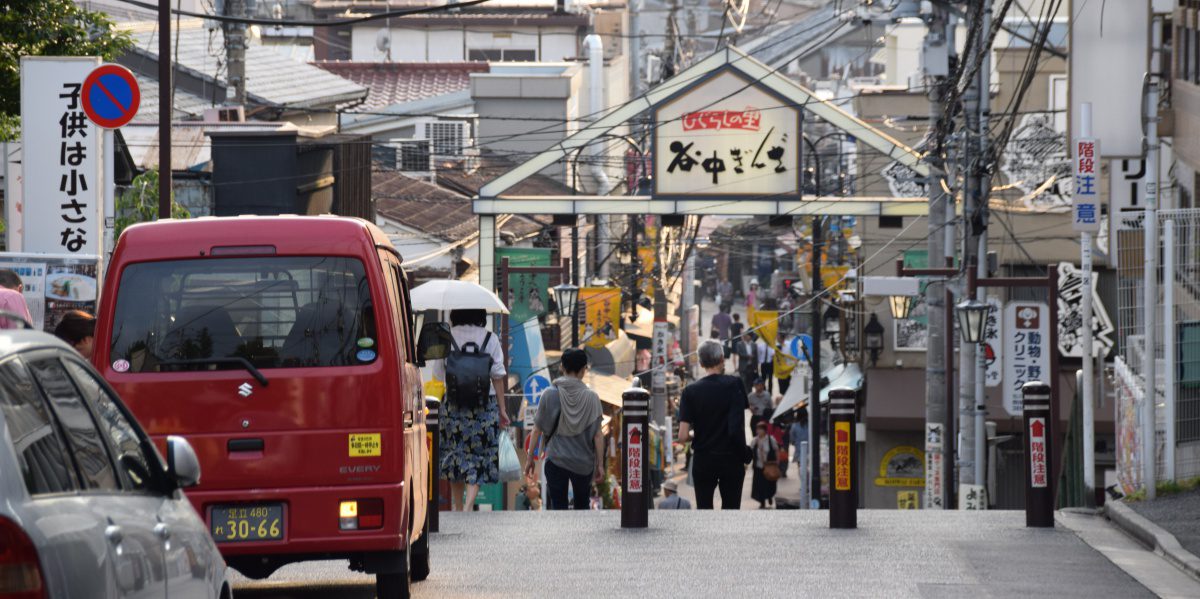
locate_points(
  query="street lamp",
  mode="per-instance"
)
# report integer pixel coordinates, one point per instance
(901, 306)
(874, 338)
(972, 320)
(566, 296)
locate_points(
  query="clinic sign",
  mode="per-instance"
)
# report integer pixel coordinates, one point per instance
(1085, 202)
(727, 136)
(62, 166)
(1026, 350)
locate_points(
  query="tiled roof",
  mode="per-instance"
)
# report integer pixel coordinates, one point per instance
(271, 77)
(392, 83)
(186, 105)
(468, 181)
(434, 210)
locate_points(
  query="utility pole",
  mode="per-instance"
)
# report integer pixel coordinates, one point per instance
(164, 108)
(983, 172)
(635, 48)
(814, 400)
(235, 51)
(669, 47)
(975, 148)
(1150, 267)
(938, 433)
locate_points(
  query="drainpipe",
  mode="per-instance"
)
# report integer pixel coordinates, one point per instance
(596, 104)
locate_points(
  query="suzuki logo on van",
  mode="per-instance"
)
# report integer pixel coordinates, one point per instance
(245, 390)
(359, 469)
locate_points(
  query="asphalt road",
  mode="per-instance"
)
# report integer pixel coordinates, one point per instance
(740, 554)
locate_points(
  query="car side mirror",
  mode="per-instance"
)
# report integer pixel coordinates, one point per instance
(434, 342)
(182, 464)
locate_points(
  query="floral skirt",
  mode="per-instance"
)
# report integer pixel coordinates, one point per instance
(469, 445)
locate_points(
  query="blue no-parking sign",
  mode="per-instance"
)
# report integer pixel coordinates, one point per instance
(110, 96)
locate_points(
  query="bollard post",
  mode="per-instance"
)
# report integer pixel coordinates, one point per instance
(635, 470)
(802, 472)
(433, 411)
(1039, 455)
(843, 496)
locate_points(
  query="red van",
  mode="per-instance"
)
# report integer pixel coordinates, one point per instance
(282, 349)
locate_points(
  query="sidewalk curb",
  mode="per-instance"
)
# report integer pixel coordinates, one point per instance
(1153, 536)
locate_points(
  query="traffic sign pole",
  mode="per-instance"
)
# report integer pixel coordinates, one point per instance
(1039, 452)
(635, 470)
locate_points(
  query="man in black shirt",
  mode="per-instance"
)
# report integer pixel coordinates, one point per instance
(713, 409)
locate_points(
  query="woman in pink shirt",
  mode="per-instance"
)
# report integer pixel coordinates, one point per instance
(11, 300)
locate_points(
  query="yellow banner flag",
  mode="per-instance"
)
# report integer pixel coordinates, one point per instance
(602, 315)
(766, 323)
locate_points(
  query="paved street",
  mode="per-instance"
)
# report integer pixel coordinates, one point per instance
(744, 554)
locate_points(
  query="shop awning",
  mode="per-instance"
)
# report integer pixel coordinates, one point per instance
(842, 375)
(644, 325)
(608, 387)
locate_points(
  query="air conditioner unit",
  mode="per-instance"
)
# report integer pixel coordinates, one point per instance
(225, 114)
(448, 139)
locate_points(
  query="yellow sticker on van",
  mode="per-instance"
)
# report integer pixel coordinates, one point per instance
(365, 445)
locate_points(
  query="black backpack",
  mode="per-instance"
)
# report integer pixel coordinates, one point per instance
(468, 374)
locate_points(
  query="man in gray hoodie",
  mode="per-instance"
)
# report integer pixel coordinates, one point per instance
(569, 417)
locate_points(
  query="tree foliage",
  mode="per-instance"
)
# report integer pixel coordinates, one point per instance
(47, 28)
(139, 203)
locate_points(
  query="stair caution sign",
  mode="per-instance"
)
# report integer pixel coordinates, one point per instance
(1037, 452)
(633, 466)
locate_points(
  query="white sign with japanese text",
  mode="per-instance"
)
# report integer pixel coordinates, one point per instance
(1026, 350)
(1086, 195)
(727, 136)
(993, 346)
(61, 158)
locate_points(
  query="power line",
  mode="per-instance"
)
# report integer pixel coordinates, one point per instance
(312, 23)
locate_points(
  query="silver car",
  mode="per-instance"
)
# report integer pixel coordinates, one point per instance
(87, 506)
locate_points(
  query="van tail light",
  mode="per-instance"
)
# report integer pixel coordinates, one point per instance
(360, 514)
(20, 571)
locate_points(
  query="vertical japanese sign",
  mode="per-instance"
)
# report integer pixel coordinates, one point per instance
(934, 441)
(1026, 350)
(1070, 315)
(841, 456)
(61, 158)
(634, 457)
(993, 345)
(727, 136)
(527, 293)
(602, 315)
(1037, 452)
(660, 345)
(1085, 203)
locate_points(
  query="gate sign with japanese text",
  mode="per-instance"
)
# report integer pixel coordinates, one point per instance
(727, 136)
(1086, 195)
(1026, 350)
(61, 158)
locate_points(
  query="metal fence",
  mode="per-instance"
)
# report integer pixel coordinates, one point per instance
(1180, 339)
(1176, 318)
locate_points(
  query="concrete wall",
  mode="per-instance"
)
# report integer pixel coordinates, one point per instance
(525, 109)
(878, 493)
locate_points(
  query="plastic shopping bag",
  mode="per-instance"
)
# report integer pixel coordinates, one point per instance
(510, 464)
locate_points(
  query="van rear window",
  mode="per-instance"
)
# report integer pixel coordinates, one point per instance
(276, 312)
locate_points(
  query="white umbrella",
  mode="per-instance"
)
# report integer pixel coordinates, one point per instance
(448, 294)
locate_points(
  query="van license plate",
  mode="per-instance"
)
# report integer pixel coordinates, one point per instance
(238, 523)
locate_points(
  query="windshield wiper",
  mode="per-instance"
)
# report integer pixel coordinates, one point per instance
(243, 362)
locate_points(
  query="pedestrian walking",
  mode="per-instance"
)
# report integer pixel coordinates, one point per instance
(468, 440)
(797, 434)
(752, 297)
(760, 402)
(766, 363)
(726, 294)
(736, 327)
(673, 501)
(765, 450)
(721, 322)
(712, 411)
(748, 361)
(78, 328)
(12, 300)
(569, 416)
